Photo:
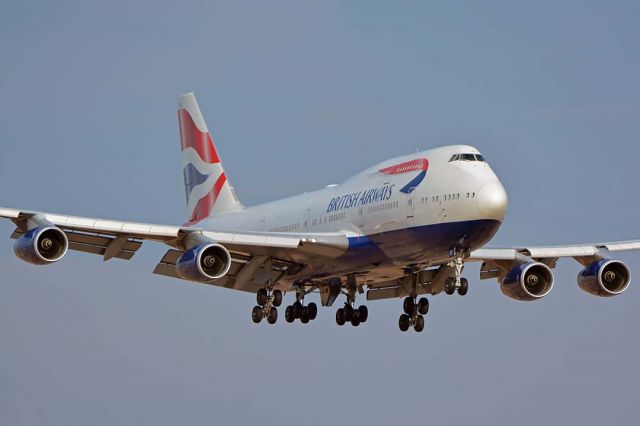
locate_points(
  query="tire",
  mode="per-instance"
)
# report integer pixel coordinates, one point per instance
(407, 305)
(404, 322)
(450, 286)
(262, 297)
(256, 314)
(273, 316)
(297, 309)
(355, 319)
(423, 306)
(419, 325)
(304, 317)
(277, 298)
(313, 311)
(348, 312)
(289, 314)
(363, 313)
(464, 287)
(340, 317)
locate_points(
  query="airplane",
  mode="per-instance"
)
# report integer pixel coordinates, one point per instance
(402, 229)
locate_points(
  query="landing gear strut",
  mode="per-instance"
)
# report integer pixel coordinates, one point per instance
(414, 309)
(457, 282)
(298, 310)
(267, 301)
(349, 313)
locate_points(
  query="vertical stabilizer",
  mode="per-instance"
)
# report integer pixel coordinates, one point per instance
(206, 186)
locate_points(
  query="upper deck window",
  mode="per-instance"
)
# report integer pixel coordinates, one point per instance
(466, 157)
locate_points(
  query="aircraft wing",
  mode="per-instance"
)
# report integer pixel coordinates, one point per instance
(250, 251)
(497, 261)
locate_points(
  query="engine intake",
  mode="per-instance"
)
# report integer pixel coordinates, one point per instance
(42, 245)
(605, 278)
(204, 262)
(528, 282)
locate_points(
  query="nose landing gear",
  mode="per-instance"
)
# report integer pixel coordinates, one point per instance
(457, 283)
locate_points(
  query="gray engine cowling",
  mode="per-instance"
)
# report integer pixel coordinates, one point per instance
(42, 245)
(528, 282)
(605, 278)
(204, 262)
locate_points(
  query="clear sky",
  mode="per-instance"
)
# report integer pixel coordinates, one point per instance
(299, 95)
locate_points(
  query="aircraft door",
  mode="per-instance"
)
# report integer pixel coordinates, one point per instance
(410, 205)
(307, 220)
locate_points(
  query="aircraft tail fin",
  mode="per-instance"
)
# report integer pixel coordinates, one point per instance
(206, 186)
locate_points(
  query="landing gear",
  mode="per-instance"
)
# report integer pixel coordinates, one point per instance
(349, 313)
(298, 310)
(413, 313)
(267, 303)
(413, 308)
(457, 283)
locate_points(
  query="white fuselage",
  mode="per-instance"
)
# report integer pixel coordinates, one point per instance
(394, 215)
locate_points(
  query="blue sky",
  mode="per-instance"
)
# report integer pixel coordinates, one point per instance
(299, 95)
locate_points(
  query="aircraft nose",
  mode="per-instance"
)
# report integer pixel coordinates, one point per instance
(492, 201)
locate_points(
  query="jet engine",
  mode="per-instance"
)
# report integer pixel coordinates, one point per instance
(42, 245)
(605, 278)
(204, 262)
(528, 282)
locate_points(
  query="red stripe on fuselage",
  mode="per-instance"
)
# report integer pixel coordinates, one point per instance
(421, 164)
(191, 136)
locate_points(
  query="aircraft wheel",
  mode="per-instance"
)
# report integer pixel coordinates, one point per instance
(273, 316)
(419, 325)
(423, 306)
(277, 298)
(340, 317)
(464, 286)
(348, 312)
(355, 319)
(304, 317)
(256, 314)
(450, 285)
(313, 311)
(297, 309)
(407, 305)
(262, 297)
(363, 313)
(289, 315)
(404, 322)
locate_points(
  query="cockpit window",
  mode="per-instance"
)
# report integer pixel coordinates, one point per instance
(466, 157)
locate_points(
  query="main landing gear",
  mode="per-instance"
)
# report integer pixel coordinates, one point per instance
(457, 282)
(298, 310)
(267, 304)
(350, 313)
(413, 313)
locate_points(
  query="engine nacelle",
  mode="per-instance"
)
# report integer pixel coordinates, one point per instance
(204, 262)
(42, 245)
(605, 278)
(528, 282)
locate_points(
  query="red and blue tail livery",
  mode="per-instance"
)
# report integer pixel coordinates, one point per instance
(206, 187)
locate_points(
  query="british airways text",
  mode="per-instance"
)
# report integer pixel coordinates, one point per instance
(360, 198)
